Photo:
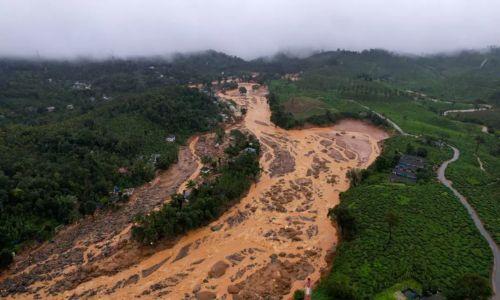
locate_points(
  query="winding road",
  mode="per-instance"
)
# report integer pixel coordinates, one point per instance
(495, 281)
(484, 107)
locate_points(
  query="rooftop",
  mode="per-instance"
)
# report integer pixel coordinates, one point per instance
(412, 160)
(406, 169)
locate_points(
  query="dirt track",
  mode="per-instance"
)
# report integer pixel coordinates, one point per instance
(263, 247)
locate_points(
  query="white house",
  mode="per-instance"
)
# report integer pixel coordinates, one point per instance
(170, 138)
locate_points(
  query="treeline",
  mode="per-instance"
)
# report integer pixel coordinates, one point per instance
(332, 117)
(53, 174)
(207, 201)
(279, 116)
(284, 119)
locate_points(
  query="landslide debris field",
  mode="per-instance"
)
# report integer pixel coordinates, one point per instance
(265, 246)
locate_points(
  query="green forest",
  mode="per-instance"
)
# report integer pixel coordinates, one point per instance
(52, 174)
(28, 88)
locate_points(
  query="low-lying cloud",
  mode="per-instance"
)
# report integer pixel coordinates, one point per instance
(101, 28)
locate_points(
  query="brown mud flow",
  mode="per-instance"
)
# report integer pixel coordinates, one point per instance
(263, 247)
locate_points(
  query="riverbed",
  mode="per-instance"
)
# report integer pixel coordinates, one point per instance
(279, 233)
(266, 245)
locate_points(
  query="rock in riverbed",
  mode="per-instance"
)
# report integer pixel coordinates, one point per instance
(218, 269)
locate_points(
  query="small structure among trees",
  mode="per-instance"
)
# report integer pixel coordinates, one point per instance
(170, 138)
(407, 168)
(81, 85)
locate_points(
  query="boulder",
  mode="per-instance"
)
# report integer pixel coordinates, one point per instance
(232, 289)
(206, 295)
(216, 227)
(218, 269)
(196, 288)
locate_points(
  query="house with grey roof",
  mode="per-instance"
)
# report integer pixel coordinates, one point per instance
(407, 168)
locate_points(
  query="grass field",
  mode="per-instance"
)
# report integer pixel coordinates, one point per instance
(304, 107)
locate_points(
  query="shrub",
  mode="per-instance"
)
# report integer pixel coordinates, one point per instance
(425, 174)
(345, 220)
(6, 258)
(299, 295)
(421, 151)
(470, 287)
(340, 289)
(355, 176)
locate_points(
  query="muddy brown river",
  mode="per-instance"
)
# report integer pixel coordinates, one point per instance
(274, 238)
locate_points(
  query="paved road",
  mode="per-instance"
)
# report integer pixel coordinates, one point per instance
(472, 213)
(495, 280)
(484, 107)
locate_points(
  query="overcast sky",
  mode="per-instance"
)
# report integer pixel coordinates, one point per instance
(100, 28)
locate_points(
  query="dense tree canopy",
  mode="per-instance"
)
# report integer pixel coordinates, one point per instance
(207, 201)
(51, 174)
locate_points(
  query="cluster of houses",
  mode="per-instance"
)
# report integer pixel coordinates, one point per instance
(407, 168)
(53, 108)
(82, 86)
(71, 106)
(160, 75)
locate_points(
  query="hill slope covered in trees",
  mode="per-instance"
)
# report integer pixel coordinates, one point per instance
(52, 174)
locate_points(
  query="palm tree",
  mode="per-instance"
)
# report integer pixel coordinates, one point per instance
(191, 184)
(392, 220)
